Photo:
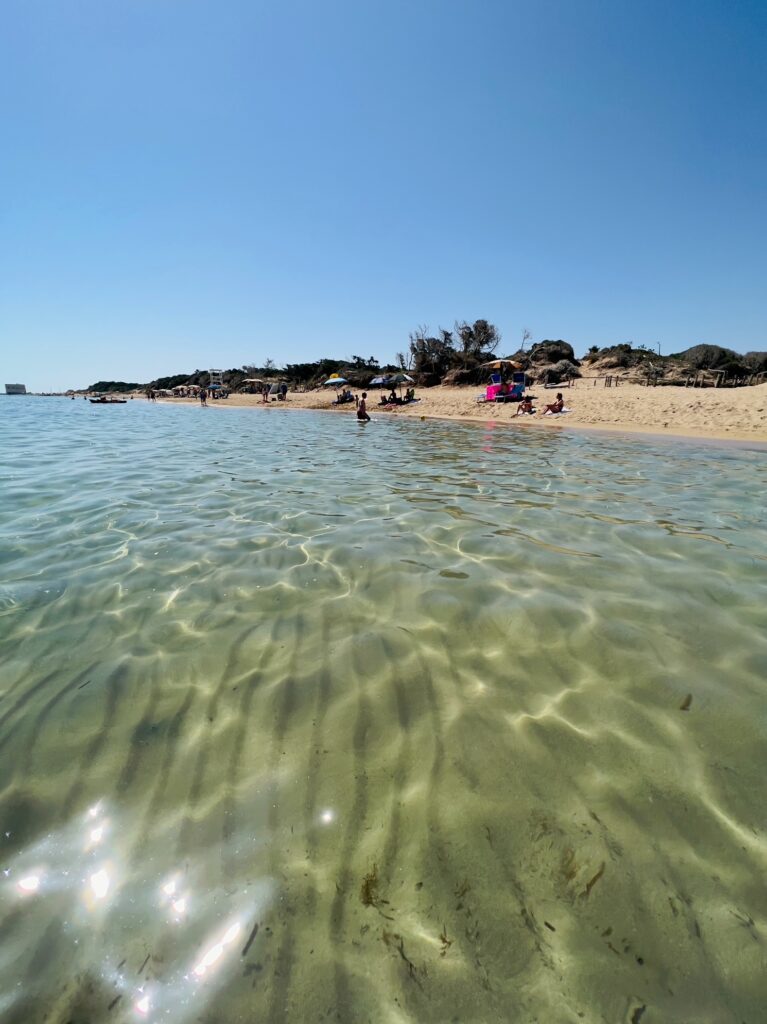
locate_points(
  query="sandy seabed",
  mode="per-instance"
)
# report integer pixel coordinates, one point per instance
(738, 414)
(477, 737)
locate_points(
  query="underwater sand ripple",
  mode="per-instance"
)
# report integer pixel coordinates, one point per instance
(404, 727)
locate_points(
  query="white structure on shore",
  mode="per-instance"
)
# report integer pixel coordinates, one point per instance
(216, 377)
(15, 389)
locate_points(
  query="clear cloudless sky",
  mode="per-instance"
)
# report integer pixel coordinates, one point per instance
(188, 183)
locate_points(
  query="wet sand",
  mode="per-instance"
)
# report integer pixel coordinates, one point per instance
(720, 413)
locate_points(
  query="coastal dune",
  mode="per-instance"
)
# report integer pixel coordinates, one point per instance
(725, 413)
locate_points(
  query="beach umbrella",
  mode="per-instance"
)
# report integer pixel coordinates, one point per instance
(213, 387)
(252, 380)
(397, 380)
(498, 364)
(377, 382)
(334, 382)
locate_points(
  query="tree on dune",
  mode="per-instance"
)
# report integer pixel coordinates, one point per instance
(476, 342)
(430, 355)
(465, 347)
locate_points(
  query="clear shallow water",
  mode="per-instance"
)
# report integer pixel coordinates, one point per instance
(407, 696)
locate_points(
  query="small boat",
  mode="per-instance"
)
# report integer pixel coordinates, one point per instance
(107, 401)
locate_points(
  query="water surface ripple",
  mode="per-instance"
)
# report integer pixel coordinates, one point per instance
(307, 720)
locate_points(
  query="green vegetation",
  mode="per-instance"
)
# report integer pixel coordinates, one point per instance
(457, 356)
(709, 360)
(714, 357)
(757, 361)
(114, 385)
(464, 348)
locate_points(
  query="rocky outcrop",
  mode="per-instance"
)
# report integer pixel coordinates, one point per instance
(551, 352)
(555, 373)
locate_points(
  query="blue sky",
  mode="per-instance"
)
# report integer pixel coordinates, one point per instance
(189, 184)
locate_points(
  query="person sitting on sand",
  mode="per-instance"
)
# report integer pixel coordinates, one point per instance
(525, 407)
(362, 411)
(556, 407)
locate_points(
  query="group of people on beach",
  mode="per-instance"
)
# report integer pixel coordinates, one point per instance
(345, 396)
(525, 407)
(360, 402)
(282, 392)
(394, 399)
(215, 394)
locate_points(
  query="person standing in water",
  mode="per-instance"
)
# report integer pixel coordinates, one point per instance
(362, 408)
(203, 396)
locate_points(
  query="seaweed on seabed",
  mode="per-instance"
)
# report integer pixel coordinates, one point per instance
(369, 895)
(369, 888)
(569, 866)
(593, 881)
(395, 941)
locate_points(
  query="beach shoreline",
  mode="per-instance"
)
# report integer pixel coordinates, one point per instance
(728, 415)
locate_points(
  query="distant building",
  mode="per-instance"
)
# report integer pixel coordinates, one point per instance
(15, 389)
(217, 377)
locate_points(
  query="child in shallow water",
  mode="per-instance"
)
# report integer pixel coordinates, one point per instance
(362, 409)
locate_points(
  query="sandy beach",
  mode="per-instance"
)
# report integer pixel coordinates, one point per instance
(738, 414)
